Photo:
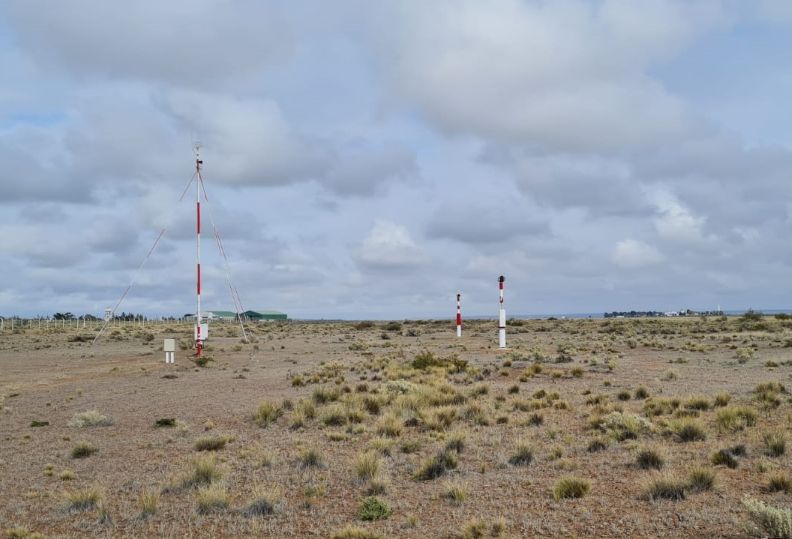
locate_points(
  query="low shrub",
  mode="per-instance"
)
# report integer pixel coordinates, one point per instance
(91, 418)
(83, 450)
(775, 522)
(373, 508)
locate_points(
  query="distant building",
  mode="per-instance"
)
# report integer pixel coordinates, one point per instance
(230, 316)
(263, 316)
(220, 315)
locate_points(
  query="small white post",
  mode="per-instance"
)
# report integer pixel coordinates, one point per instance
(501, 315)
(169, 347)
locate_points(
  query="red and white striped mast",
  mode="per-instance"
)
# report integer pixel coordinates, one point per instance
(459, 316)
(501, 315)
(199, 337)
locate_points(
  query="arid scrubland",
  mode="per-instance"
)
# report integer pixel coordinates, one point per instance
(588, 428)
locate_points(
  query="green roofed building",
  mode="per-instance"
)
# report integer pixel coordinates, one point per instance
(261, 316)
(253, 316)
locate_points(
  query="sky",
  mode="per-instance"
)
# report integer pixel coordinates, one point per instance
(372, 159)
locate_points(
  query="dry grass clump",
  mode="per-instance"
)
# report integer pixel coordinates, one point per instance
(199, 471)
(83, 450)
(779, 482)
(622, 425)
(91, 418)
(570, 487)
(66, 475)
(688, 430)
(701, 404)
(334, 416)
(389, 425)
(373, 508)
(641, 393)
(522, 456)
(597, 444)
(325, 394)
(147, 503)
(456, 442)
(79, 501)
(769, 394)
(211, 443)
(210, 499)
(21, 533)
(266, 501)
(775, 443)
(735, 418)
(266, 413)
(665, 487)
(477, 528)
(722, 399)
(775, 522)
(310, 458)
(456, 493)
(649, 459)
(724, 457)
(367, 466)
(352, 532)
(436, 466)
(700, 479)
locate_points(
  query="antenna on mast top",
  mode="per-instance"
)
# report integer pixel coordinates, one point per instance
(197, 152)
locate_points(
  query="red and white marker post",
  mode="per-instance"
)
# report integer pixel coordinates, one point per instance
(199, 334)
(459, 316)
(501, 315)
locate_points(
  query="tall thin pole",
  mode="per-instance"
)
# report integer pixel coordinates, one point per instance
(459, 316)
(198, 337)
(501, 315)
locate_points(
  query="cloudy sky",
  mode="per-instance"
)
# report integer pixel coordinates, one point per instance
(371, 159)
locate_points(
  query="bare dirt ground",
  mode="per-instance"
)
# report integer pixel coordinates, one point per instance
(559, 386)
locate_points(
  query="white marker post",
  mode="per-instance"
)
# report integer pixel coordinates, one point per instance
(501, 315)
(459, 316)
(170, 350)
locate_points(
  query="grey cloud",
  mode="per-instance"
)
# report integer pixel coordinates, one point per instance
(568, 76)
(202, 43)
(482, 225)
(367, 173)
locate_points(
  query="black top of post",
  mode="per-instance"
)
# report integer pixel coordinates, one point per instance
(501, 279)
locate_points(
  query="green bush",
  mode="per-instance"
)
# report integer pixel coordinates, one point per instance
(373, 508)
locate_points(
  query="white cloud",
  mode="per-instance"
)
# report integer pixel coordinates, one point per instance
(633, 254)
(389, 246)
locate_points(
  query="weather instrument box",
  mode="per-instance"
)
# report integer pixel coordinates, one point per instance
(169, 347)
